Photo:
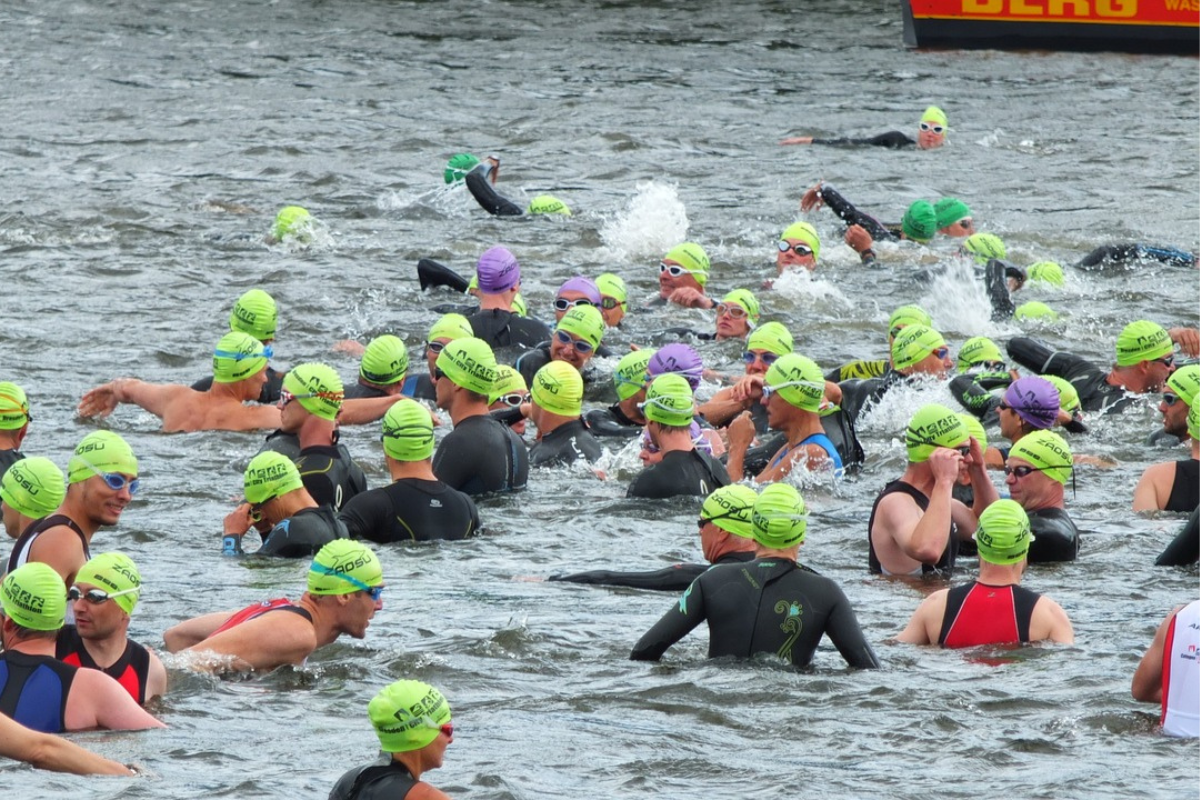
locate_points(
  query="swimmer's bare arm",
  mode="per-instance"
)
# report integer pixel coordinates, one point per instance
(1049, 621)
(52, 752)
(156, 677)
(741, 434)
(262, 643)
(154, 397)
(361, 411)
(797, 140)
(1147, 678)
(96, 700)
(1154, 487)
(724, 406)
(1188, 340)
(195, 630)
(61, 548)
(926, 622)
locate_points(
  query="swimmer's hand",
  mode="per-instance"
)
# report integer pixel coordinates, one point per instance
(812, 199)
(748, 389)
(741, 432)
(859, 240)
(797, 140)
(691, 297)
(350, 347)
(101, 401)
(944, 463)
(1188, 340)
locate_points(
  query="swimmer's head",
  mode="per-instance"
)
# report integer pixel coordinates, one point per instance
(342, 567)
(498, 271)
(558, 388)
(772, 337)
(950, 210)
(1047, 272)
(408, 431)
(907, 315)
(547, 204)
(294, 222)
(33, 487)
(677, 358)
(975, 429)
(100, 452)
(451, 327)
(385, 361)
(744, 299)
(730, 508)
(586, 322)
(802, 232)
(1047, 451)
(255, 313)
(613, 286)
(978, 350)
(317, 388)
(1033, 311)
(692, 258)
(1142, 341)
(34, 597)
(798, 380)
(919, 222)
(669, 401)
(269, 475)
(914, 344)
(1004, 534)
(458, 166)
(116, 574)
(1185, 382)
(1068, 395)
(581, 286)
(14, 407)
(508, 381)
(630, 376)
(470, 364)
(983, 247)
(1035, 401)
(238, 356)
(408, 715)
(933, 426)
(779, 518)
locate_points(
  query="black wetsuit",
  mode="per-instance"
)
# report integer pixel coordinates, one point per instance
(302, 534)
(611, 421)
(944, 565)
(131, 670)
(420, 387)
(500, 328)
(330, 474)
(1185, 492)
(674, 578)
(852, 216)
(1119, 255)
(1055, 536)
(358, 391)
(894, 140)
(8, 458)
(270, 390)
(488, 198)
(858, 394)
(34, 690)
(565, 445)
(981, 394)
(1089, 380)
(858, 370)
(482, 455)
(411, 510)
(681, 472)
(384, 779)
(769, 605)
(282, 442)
(1184, 549)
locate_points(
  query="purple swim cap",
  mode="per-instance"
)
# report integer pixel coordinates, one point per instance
(678, 358)
(585, 286)
(498, 270)
(1035, 400)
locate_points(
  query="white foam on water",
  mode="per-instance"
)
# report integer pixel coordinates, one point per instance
(654, 221)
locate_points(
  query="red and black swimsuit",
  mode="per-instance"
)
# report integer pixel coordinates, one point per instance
(131, 670)
(257, 610)
(978, 614)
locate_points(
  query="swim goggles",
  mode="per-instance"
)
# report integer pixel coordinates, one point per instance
(513, 400)
(580, 345)
(732, 310)
(115, 480)
(767, 358)
(563, 304)
(609, 303)
(674, 270)
(799, 248)
(375, 591)
(933, 127)
(95, 597)
(267, 352)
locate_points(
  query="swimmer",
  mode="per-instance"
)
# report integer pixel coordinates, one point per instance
(576, 291)
(382, 369)
(737, 315)
(556, 409)
(1181, 387)
(825, 194)
(954, 217)
(931, 134)
(1173, 485)
(1036, 472)
(31, 489)
(764, 346)
(682, 276)
(256, 314)
(496, 322)
(918, 353)
(510, 398)
(669, 409)
(292, 224)
(1125, 256)
(578, 336)
(481, 182)
(918, 225)
(14, 423)
(614, 298)
(448, 328)
(799, 247)
(877, 368)
(624, 418)
(1168, 673)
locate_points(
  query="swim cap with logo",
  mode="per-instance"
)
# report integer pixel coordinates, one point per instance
(113, 572)
(907, 315)
(949, 210)
(931, 427)
(691, 257)
(1193, 419)
(269, 475)
(547, 204)
(779, 518)
(317, 388)
(669, 401)
(677, 358)
(913, 344)
(1035, 311)
(508, 381)
(14, 407)
(238, 356)
(586, 322)
(772, 337)
(255, 313)
(798, 380)
(746, 299)
(292, 221)
(35, 597)
(385, 361)
(518, 305)
(451, 326)
(805, 233)
(1068, 395)
(1047, 451)
(1047, 272)
(1004, 534)
(340, 560)
(470, 364)
(978, 350)
(1185, 382)
(919, 222)
(1035, 400)
(407, 715)
(984, 247)
(975, 429)
(458, 166)
(33, 487)
(101, 451)
(1142, 341)
(611, 285)
(558, 388)
(630, 375)
(935, 115)
(408, 431)
(497, 270)
(730, 508)
(585, 286)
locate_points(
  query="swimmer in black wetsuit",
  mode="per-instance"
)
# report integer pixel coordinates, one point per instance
(557, 403)
(448, 328)
(682, 469)
(1036, 472)
(1181, 387)
(1184, 549)
(496, 323)
(931, 134)
(415, 506)
(1121, 256)
(624, 418)
(577, 337)
(1173, 485)
(382, 369)
(917, 351)
(481, 183)
(769, 605)
(278, 502)
(256, 314)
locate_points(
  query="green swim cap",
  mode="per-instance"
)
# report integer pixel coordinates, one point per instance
(630, 375)
(978, 350)
(508, 381)
(236, 357)
(914, 343)
(931, 427)
(269, 475)
(984, 247)
(451, 326)
(101, 451)
(730, 508)
(746, 299)
(114, 573)
(255, 313)
(949, 210)
(407, 715)
(558, 388)
(1003, 535)
(342, 567)
(33, 487)
(669, 401)
(518, 305)
(772, 337)
(691, 257)
(1193, 418)
(1185, 382)
(317, 388)
(385, 361)
(935, 115)
(1142, 341)
(1047, 451)
(975, 429)
(35, 597)
(408, 431)
(1033, 310)
(779, 518)
(611, 285)
(1068, 395)
(805, 233)
(547, 204)
(798, 380)
(292, 221)
(458, 166)
(1047, 272)
(919, 222)
(469, 363)
(907, 315)
(14, 407)
(586, 322)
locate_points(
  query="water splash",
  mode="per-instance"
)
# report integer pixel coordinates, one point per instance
(654, 222)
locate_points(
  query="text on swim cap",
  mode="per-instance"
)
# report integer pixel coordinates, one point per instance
(24, 599)
(269, 473)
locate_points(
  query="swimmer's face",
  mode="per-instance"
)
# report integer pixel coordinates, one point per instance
(431, 354)
(1036, 490)
(1010, 423)
(612, 310)
(758, 366)
(1174, 415)
(777, 411)
(569, 296)
(732, 321)
(434, 753)
(12, 519)
(1157, 372)
(255, 383)
(97, 621)
(928, 138)
(937, 364)
(102, 504)
(798, 255)
(563, 348)
(358, 612)
(668, 283)
(959, 228)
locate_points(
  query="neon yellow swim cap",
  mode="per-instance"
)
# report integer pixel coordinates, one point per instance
(255, 313)
(1004, 534)
(269, 475)
(408, 431)
(978, 350)
(805, 233)
(238, 356)
(630, 375)
(585, 322)
(317, 388)
(933, 426)
(34, 596)
(1185, 382)
(779, 517)
(669, 401)
(469, 363)
(14, 407)
(1035, 311)
(1142, 341)
(691, 257)
(385, 361)
(935, 115)
(913, 344)
(611, 285)
(342, 567)
(984, 247)
(798, 380)
(1050, 272)
(1047, 451)
(747, 301)
(33, 487)
(730, 508)
(116, 574)
(98, 452)
(407, 715)
(907, 315)
(558, 388)
(772, 337)
(451, 327)
(508, 381)
(547, 204)
(975, 428)
(293, 221)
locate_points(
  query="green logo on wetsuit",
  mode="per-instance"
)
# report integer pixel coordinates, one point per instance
(792, 625)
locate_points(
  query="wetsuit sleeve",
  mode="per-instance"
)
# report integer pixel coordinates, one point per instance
(974, 398)
(892, 139)
(507, 416)
(1184, 549)
(671, 579)
(295, 538)
(674, 625)
(487, 197)
(366, 515)
(997, 290)
(852, 216)
(842, 629)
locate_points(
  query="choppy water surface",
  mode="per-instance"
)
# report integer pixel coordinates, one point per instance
(146, 147)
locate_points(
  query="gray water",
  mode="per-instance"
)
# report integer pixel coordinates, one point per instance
(146, 146)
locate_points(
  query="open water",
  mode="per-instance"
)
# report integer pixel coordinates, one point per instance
(146, 146)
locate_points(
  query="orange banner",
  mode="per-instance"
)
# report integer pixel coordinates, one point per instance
(1127, 12)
